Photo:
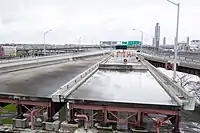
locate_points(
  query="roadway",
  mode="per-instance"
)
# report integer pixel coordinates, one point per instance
(185, 64)
(31, 58)
(42, 82)
(2, 61)
(184, 55)
(51, 58)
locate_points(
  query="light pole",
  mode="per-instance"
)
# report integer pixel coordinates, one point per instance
(176, 39)
(142, 33)
(79, 41)
(45, 33)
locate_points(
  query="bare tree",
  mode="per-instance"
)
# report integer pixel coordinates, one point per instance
(185, 80)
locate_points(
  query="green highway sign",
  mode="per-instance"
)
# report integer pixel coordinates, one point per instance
(131, 43)
(124, 43)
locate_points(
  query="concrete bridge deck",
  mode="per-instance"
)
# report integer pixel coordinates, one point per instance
(123, 87)
(42, 82)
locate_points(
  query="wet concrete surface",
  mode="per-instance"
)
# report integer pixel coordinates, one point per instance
(42, 82)
(124, 87)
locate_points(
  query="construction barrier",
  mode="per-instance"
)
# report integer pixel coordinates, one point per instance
(124, 54)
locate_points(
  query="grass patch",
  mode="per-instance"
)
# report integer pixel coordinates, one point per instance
(6, 121)
(10, 108)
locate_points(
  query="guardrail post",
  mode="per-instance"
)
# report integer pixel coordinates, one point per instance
(71, 114)
(176, 124)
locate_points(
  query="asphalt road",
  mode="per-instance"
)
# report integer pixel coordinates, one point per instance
(42, 82)
(51, 58)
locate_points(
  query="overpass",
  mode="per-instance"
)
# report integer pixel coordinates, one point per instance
(15, 65)
(67, 47)
(188, 64)
(64, 48)
(108, 93)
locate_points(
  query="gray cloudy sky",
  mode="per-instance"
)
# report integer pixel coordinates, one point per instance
(24, 21)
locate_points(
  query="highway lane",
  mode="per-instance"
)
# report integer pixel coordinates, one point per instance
(3, 61)
(50, 59)
(42, 82)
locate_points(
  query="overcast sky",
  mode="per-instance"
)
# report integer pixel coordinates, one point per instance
(24, 21)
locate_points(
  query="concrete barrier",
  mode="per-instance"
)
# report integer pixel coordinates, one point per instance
(38, 63)
(179, 94)
(121, 67)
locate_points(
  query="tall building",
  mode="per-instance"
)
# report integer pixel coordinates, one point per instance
(164, 41)
(154, 42)
(157, 35)
(188, 40)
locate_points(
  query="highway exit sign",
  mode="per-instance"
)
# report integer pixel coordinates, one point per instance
(131, 43)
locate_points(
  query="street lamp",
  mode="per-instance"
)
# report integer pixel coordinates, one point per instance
(176, 39)
(142, 33)
(45, 33)
(79, 41)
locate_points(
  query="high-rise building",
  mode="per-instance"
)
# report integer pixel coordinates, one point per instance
(153, 42)
(188, 40)
(157, 35)
(164, 41)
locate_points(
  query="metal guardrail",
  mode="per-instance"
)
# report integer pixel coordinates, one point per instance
(179, 94)
(167, 58)
(61, 94)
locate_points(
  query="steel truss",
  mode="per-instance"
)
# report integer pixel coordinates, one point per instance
(138, 113)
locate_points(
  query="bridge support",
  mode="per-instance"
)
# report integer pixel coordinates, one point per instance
(20, 111)
(71, 115)
(176, 124)
(126, 117)
(63, 113)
